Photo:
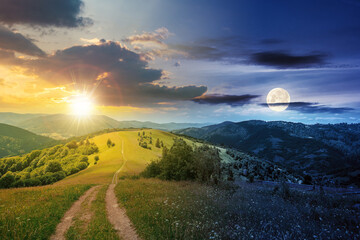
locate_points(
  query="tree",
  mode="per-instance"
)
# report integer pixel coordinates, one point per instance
(72, 145)
(7, 179)
(109, 143)
(157, 144)
(53, 166)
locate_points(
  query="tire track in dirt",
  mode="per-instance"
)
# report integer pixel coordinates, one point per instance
(116, 214)
(118, 218)
(67, 220)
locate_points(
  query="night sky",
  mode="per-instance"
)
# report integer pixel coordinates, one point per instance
(183, 61)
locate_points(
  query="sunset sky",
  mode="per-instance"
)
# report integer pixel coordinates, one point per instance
(182, 61)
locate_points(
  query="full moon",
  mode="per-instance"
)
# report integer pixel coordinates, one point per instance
(278, 99)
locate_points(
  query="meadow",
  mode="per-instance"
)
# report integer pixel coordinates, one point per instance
(34, 212)
(188, 210)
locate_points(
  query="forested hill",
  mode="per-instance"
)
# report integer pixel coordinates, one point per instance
(17, 141)
(323, 150)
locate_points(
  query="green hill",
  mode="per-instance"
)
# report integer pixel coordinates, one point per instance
(16, 141)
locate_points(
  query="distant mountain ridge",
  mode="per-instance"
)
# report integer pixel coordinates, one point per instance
(60, 126)
(17, 141)
(321, 150)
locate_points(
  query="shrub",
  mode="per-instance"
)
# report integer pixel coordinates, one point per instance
(251, 178)
(152, 170)
(32, 182)
(72, 145)
(7, 179)
(85, 159)
(73, 171)
(53, 166)
(81, 166)
(307, 179)
(182, 162)
(96, 158)
(109, 143)
(157, 144)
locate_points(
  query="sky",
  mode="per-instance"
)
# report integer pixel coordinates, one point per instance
(182, 61)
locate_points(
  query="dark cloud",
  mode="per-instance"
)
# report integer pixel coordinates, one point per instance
(232, 100)
(285, 60)
(236, 50)
(59, 13)
(17, 42)
(121, 77)
(308, 107)
(227, 49)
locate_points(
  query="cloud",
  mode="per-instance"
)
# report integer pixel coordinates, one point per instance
(120, 76)
(58, 13)
(17, 42)
(308, 107)
(232, 100)
(227, 49)
(285, 60)
(147, 38)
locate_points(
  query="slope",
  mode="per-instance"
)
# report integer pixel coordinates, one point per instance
(16, 141)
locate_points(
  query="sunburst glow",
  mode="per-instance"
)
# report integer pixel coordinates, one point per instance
(82, 106)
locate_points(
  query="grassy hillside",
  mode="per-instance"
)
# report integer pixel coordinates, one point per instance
(33, 213)
(126, 154)
(167, 209)
(16, 141)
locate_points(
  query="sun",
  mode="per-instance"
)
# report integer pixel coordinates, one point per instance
(82, 106)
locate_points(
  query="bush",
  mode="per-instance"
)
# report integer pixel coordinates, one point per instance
(32, 182)
(157, 144)
(72, 145)
(251, 178)
(307, 179)
(85, 159)
(7, 179)
(81, 166)
(53, 166)
(73, 171)
(182, 162)
(96, 158)
(152, 170)
(109, 143)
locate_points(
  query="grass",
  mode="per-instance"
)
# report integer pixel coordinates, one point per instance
(99, 227)
(44, 206)
(111, 159)
(184, 210)
(33, 213)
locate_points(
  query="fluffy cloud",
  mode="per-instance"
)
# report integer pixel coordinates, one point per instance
(10, 40)
(59, 13)
(116, 75)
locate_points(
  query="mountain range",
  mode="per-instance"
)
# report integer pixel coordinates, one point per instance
(61, 126)
(328, 152)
